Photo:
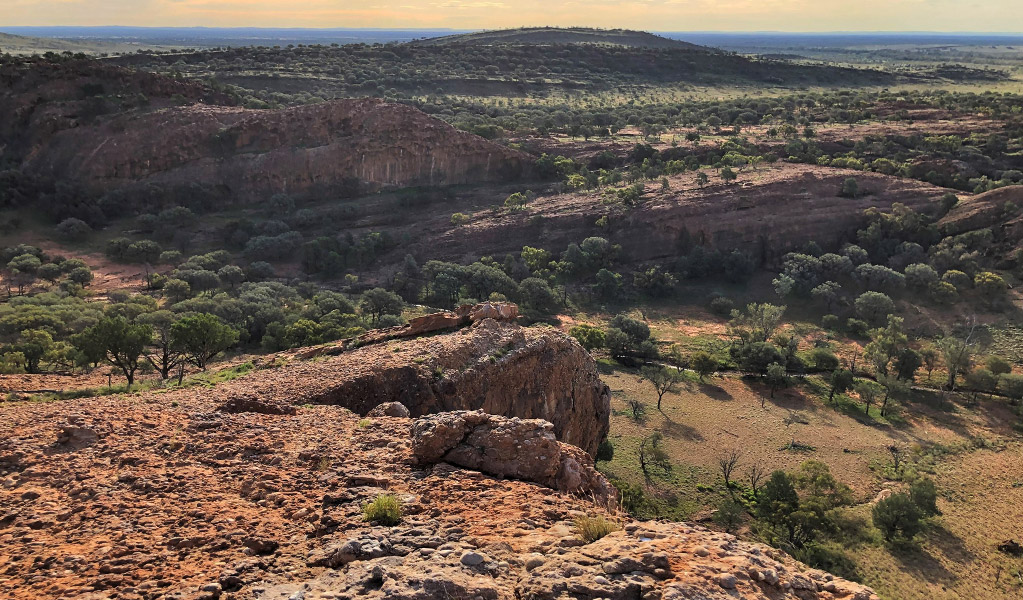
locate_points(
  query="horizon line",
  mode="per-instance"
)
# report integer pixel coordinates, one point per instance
(484, 29)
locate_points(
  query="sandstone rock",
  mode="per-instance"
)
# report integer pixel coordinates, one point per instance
(493, 310)
(355, 549)
(508, 447)
(389, 409)
(75, 434)
(261, 545)
(503, 369)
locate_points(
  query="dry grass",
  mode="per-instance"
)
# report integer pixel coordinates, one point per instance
(981, 490)
(591, 529)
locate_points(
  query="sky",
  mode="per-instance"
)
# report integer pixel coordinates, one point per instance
(1004, 16)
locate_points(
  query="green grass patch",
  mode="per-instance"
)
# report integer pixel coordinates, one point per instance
(386, 509)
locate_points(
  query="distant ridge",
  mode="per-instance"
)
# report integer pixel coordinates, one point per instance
(560, 35)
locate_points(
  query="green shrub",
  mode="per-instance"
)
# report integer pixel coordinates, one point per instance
(729, 514)
(897, 516)
(605, 451)
(385, 509)
(591, 529)
(924, 495)
(721, 306)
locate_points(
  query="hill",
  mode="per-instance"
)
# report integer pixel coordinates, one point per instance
(559, 35)
(135, 128)
(21, 45)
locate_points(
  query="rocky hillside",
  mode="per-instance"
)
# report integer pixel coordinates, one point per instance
(994, 210)
(195, 494)
(781, 209)
(67, 127)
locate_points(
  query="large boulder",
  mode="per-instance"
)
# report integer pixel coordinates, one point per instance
(523, 449)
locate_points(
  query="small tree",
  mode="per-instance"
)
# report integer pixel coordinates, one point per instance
(662, 379)
(998, 365)
(704, 364)
(637, 408)
(74, 230)
(893, 388)
(897, 517)
(121, 342)
(33, 344)
(728, 463)
(164, 356)
(896, 451)
(868, 391)
(754, 475)
(652, 454)
(677, 358)
(378, 302)
(1012, 386)
(874, 307)
(841, 381)
(776, 378)
(588, 336)
(201, 337)
(850, 188)
(729, 514)
(981, 381)
(728, 175)
(957, 354)
(824, 359)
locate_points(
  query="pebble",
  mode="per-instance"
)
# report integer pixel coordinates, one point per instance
(472, 559)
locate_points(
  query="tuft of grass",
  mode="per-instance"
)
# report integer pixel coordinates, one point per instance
(323, 464)
(364, 423)
(591, 529)
(386, 509)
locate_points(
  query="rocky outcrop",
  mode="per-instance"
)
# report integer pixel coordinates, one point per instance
(498, 367)
(988, 211)
(509, 447)
(786, 206)
(338, 145)
(156, 495)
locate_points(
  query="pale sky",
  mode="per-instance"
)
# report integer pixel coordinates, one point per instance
(659, 15)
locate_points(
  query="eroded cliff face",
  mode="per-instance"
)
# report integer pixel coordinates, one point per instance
(334, 145)
(500, 368)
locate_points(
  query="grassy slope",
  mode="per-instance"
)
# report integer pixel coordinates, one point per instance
(971, 452)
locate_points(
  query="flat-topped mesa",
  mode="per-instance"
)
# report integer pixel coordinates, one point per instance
(481, 363)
